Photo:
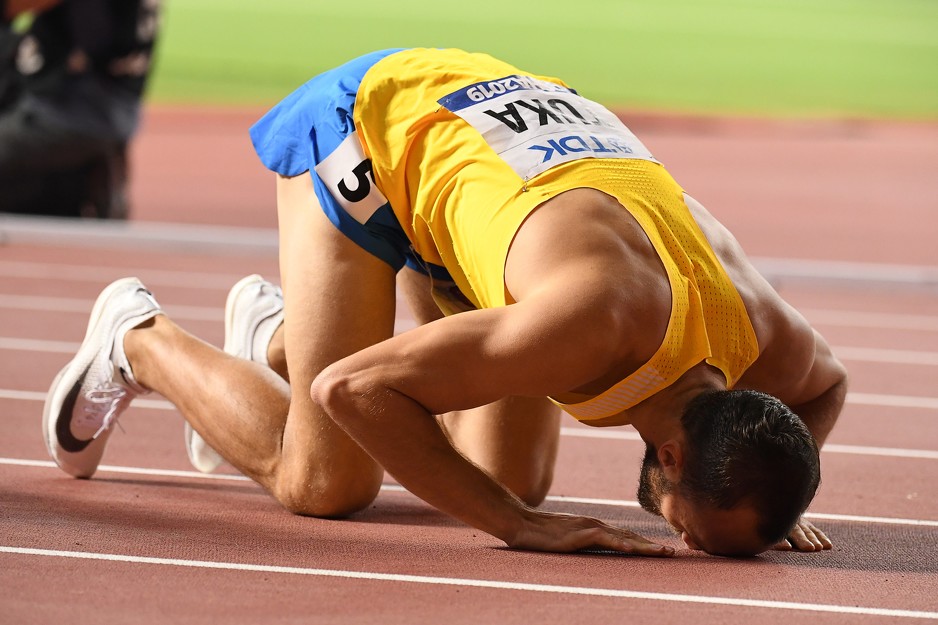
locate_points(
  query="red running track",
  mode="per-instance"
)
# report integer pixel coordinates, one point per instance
(148, 541)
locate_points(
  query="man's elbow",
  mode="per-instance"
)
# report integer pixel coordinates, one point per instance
(332, 391)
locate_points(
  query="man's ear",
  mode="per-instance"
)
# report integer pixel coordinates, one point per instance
(671, 457)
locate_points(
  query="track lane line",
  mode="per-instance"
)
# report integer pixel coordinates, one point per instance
(605, 433)
(396, 488)
(40, 303)
(100, 274)
(863, 450)
(222, 239)
(843, 352)
(476, 583)
(866, 399)
(883, 321)
(887, 356)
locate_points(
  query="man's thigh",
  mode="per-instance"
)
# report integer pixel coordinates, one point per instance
(338, 300)
(514, 439)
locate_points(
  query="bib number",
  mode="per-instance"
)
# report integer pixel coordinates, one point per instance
(348, 176)
(534, 125)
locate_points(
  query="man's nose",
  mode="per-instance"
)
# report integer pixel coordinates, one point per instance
(689, 542)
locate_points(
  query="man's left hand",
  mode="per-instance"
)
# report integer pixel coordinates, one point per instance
(804, 537)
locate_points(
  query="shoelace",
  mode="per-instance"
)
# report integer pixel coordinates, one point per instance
(103, 405)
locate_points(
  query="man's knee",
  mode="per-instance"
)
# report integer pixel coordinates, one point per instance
(327, 495)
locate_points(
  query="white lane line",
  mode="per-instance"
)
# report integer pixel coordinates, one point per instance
(103, 234)
(861, 354)
(38, 345)
(893, 452)
(396, 488)
(846, 271)
(861, 450)
(102, 275)
(108, 468)
(153, 404)
(162, 404)
(83, 306)
(891, 356)
(892, 401)
(605, 433)
(168, 237)
(863, 399)
(187, 279)
(885, 321)
(477, 583)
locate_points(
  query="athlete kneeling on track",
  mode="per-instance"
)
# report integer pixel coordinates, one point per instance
(552, 263)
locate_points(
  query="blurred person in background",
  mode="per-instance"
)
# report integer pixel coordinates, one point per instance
(72, 75)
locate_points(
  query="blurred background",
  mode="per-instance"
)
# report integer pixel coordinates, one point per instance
(802, 58)
(809, 127)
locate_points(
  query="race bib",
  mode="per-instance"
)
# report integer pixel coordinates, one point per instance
(348, 176)
(534, 125)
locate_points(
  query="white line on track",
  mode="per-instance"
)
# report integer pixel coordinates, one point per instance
(854, 319)
(103, 234)
(395, 488)
(38, 345)
(605, 433)
(857, 354)
(861, 450)
(893, 401)
(863, 399)
(101, 275)
(83, 306)
(152, 404)
(891, 356)
(168, 237)
(846, 271)
(478, 583)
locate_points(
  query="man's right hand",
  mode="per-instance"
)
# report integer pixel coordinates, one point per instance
(564, 533)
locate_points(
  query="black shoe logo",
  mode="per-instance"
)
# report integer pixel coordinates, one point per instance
(63, 430)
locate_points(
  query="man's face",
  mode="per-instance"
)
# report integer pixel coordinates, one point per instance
(716, 531)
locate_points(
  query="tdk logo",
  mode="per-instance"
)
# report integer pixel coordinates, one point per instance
(599, 146)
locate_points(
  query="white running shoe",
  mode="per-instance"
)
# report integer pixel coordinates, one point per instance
(90, 392)
(253, 312)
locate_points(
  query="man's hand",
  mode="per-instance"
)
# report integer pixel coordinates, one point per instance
(564, 533)
(805, 537)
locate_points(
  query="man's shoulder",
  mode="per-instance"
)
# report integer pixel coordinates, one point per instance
(786, 345)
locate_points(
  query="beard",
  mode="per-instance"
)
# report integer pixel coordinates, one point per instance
(652, 483)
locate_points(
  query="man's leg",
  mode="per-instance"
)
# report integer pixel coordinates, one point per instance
(516, 439)
(338, 300)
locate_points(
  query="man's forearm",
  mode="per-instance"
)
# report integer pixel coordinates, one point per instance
(821, 413)
(404, 438)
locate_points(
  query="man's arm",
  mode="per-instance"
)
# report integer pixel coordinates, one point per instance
(818, 400)
(821, 398)
(385, 396)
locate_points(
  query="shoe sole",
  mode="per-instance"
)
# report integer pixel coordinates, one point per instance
(70, 375)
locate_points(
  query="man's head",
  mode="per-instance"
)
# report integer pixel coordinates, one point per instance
(746, 470)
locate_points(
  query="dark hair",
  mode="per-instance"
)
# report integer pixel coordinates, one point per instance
(746, 447)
